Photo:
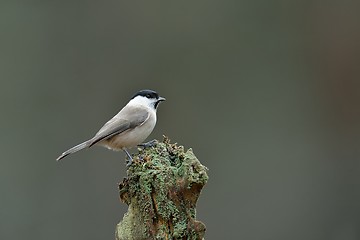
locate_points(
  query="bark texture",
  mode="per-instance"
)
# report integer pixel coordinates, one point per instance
(162, 190)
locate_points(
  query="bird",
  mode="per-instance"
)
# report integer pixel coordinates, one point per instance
(128, 128)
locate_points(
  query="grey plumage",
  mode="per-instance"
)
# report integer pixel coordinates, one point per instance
(75, 149)
(134, 117)
(131, 126)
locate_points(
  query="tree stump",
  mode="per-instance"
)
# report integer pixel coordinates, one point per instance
(161, 189)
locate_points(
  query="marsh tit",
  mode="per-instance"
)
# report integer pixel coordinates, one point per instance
(130, 127)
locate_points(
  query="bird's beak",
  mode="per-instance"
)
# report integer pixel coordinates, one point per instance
(161, 99)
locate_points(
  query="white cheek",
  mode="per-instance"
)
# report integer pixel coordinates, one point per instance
(142, 101)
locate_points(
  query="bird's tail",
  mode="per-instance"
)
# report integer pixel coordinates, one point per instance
(75, 149)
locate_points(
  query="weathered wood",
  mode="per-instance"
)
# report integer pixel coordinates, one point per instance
(162, 190)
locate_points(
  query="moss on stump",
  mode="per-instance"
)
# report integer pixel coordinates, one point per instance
(162, 190)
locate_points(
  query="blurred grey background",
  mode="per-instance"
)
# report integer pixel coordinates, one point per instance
(265, 92)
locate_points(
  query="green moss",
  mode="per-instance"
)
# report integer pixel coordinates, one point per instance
(161, 189)
(179, 229)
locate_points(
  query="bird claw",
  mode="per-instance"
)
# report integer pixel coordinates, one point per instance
(129, 162)
(129, 159)
(151, 143)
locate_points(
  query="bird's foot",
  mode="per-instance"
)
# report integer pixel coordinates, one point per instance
(151, 143)
(129, 162)
(129, 159)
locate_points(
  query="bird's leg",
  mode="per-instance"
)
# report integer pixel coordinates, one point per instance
(130, 159)
(148, 144)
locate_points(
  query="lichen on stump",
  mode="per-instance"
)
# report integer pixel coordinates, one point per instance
(161, 190)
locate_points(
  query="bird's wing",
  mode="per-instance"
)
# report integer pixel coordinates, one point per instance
(127, 118)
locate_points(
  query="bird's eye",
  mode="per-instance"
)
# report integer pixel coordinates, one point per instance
(148, 95)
